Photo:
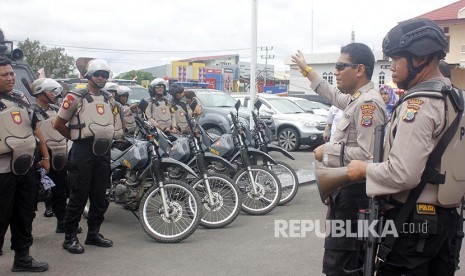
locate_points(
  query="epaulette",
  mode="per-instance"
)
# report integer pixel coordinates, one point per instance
(367, 97)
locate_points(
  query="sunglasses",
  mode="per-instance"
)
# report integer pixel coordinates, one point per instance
(103, 74)
(342, 65)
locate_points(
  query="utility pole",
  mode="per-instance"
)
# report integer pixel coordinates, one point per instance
(266, 57)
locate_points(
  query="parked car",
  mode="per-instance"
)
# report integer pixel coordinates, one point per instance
(310, 97)
(216, 107)
(294, 127)
(310, 106)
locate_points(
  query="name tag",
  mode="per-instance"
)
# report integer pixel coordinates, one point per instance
(426, 209)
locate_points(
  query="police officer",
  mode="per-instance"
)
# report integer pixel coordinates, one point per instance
(46, 92)
(416, 126)
(91, 127)
(159, 112)
(122, 96)
(192, 102)
(354, 139)
(17, 180)
(180, 108)
(112, 88)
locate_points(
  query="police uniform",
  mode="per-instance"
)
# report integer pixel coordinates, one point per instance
(129, 119)
(180, 110)
(160, 114)
(18, 189)
(58, 150)
(91, 122)
(416, 126)
(354, 138)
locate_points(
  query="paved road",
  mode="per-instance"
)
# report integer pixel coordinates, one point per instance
(246, 247)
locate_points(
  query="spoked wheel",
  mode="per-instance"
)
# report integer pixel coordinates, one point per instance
(289, 181)
(226, 199)
(183, 217)
(268, 190)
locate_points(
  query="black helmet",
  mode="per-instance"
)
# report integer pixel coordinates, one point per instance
(416, 37)
(176, 88)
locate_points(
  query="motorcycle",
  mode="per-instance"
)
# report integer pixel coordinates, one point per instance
(260, 187)
(169, 210)
(221, 199)
(262, 137)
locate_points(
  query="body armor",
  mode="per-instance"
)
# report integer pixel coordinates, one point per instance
(56, 143)
(180, 115)
(161, 112)
(450, 176)
(129, 120)
(119, 131)
(93, 119)
(16, 135)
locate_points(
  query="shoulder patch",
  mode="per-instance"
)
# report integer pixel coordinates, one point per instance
(367, 114)
(413, 106)
(67, 101)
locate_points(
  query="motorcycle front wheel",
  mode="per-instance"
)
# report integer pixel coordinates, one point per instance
(184, 212)
(268, 190)
(226, 200)
(289, 181)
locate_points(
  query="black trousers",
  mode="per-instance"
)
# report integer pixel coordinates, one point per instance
(344, 253)
(17, 208)
(437, 256)
(59, 193)
(88, 177)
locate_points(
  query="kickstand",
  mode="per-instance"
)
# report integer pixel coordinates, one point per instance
(134, 213)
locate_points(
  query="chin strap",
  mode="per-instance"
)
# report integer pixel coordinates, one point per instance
(413, 71)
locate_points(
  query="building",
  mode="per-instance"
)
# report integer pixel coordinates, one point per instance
(451, 19)
(323, 64)
(224, 72)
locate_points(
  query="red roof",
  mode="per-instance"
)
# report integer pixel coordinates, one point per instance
(445, 13)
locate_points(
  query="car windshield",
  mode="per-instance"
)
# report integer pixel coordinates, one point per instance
(137, 94)
(311, 105)
(285, 106)
(215, 99)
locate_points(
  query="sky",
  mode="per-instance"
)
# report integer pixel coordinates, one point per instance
(139, 34)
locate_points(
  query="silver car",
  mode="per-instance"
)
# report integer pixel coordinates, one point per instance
(294, 127)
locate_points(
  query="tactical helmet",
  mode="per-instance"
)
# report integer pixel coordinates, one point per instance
(155, 82)
(43, 85)
(98, 65)
(417, 37)
(110, 87)
(176, 88)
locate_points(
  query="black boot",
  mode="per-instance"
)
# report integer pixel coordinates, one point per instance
(24, 262)
(97, 239)
(72, 244)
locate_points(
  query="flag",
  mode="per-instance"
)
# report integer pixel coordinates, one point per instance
(41, 72)
(135, 77)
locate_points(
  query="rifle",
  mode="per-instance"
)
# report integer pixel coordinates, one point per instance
(372, 214)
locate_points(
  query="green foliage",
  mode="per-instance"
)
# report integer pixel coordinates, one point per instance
(141, 75)
(55, 61)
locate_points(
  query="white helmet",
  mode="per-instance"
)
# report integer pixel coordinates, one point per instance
(43, 85)
(155, 82)
(98, 65)
(123, 91)
(110, 87)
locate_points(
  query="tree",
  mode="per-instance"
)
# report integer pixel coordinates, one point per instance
(141, 75)
(55, 61)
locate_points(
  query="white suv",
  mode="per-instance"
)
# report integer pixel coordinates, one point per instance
(294, 127)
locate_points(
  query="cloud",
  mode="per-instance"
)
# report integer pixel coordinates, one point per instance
(178, 29)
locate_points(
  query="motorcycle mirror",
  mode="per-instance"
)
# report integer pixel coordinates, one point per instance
(258, 104)
(237, 105)
(143, 104)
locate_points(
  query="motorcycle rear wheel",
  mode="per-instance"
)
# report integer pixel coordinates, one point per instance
(226, 200)
(184, 212)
